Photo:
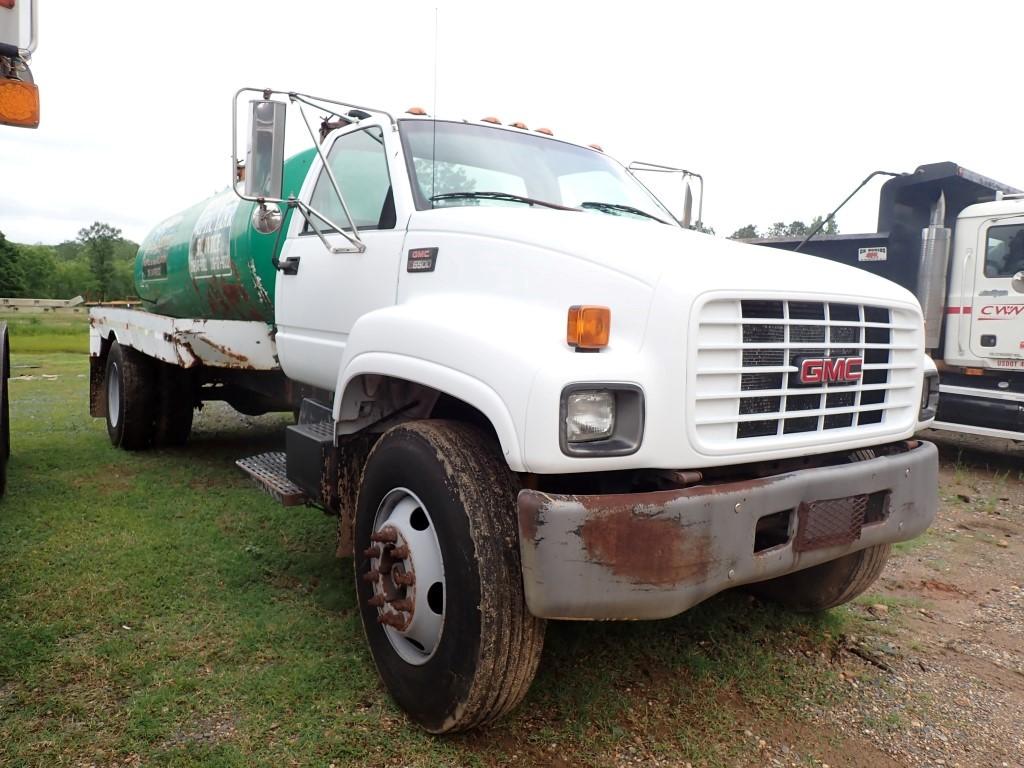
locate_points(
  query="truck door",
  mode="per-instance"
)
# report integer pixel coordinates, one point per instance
(997, 316)
(317, 306)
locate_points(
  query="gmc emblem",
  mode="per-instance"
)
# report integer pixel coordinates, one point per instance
(831, 370)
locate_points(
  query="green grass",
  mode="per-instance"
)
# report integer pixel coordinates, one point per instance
(46, 333)
(156, 609)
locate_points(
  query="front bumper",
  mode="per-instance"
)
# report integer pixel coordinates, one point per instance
(653, 555)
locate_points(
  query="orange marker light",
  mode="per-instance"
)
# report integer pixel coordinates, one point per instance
(974, 371)
(545, 131)
(518, 125)
(415, 111)
(596, 146)
(588, 327)
(19, 103)
(493, 120)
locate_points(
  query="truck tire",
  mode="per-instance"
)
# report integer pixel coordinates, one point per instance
(131, 398)
(175, 406)
(5, 408)
(825, 586)
(457, 647)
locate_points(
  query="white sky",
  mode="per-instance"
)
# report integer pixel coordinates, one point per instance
(783, 106)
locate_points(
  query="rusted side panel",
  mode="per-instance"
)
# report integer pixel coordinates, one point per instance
(187, 343)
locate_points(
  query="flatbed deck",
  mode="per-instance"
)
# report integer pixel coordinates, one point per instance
(186, 342)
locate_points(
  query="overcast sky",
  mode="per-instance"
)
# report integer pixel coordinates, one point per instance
(782, 106)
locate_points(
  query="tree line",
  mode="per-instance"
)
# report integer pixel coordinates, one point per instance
(782, 229)
(97, 265)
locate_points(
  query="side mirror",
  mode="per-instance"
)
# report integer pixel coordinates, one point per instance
(687, 205)
(264, 165)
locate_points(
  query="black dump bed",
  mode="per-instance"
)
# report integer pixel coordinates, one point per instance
(904, 209)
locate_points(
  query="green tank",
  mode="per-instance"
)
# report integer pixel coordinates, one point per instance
(208, 262)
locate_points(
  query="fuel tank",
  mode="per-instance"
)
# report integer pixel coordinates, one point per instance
(209, 262)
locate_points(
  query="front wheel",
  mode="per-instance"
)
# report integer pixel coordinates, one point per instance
(439, 579)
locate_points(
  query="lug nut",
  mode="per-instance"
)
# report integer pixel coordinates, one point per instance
(385, 536)
(405, 605)
(392, 620)
(376, 601)
(372, 552)
(404, 579)
(400, 553)
(371, 575)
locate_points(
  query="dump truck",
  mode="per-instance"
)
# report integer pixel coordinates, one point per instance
(955, 238)
(524, 388)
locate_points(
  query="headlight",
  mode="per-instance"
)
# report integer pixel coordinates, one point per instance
(589, 416)
(601, 419)
(929, 396)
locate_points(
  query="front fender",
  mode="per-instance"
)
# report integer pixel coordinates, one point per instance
(444, 379)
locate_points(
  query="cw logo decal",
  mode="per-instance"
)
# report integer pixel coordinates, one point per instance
(1000, 311)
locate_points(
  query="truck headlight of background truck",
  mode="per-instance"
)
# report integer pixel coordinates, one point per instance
(600, 419)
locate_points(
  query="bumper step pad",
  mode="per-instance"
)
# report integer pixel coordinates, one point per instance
(270, 473)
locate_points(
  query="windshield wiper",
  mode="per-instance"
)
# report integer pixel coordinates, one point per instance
(500, 196)
(620, 208)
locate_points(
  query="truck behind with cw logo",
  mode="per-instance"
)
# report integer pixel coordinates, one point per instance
(956, 239)
(524, 388)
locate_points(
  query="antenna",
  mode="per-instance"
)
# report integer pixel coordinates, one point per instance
(433, 120)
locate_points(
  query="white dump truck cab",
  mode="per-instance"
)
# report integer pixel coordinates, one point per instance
(985, 311)
(532, 394)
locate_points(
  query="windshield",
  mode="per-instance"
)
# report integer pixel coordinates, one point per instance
(477, 165)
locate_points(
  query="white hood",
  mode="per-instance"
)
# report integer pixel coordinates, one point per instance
(648, 251)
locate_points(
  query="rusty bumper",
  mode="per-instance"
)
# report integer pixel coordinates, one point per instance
(653, 555)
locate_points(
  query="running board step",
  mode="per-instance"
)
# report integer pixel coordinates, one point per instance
(269, 471)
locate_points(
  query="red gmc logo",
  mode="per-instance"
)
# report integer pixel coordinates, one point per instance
(831, 370)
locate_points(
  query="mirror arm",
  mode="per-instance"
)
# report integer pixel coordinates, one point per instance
(330, 175)
(309, 214)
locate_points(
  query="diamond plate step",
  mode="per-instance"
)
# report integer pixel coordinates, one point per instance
(269, 472)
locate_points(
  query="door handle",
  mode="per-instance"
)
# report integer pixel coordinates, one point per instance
(289, 266)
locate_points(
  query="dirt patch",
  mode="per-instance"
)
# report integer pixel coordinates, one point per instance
(950, 686)
(212, 729)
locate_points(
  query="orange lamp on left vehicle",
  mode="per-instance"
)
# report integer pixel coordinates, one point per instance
(19, 103)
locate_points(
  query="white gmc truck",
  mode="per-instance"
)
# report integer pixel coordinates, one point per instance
(527, 390)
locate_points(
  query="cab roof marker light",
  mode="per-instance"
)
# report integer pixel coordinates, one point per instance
(416, 111)
(491, 119)
(521, 126)
(545, 131)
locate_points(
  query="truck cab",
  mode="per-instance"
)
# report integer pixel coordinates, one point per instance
(526, 390)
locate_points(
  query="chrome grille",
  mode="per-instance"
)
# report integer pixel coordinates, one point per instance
(747, 386)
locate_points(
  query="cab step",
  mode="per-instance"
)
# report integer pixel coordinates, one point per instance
(269, 471)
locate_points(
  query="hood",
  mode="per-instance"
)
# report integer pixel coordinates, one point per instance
(649, 252)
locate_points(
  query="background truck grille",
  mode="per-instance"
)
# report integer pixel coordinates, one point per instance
(747, 372)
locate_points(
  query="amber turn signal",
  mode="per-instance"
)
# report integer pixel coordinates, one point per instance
(588, 327)
(19, 103)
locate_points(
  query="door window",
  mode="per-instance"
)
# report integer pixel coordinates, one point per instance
(1004, 251)
(360, 167)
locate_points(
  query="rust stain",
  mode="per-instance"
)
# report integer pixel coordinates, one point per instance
(530, 504)
(659, 551)
(663, 498)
